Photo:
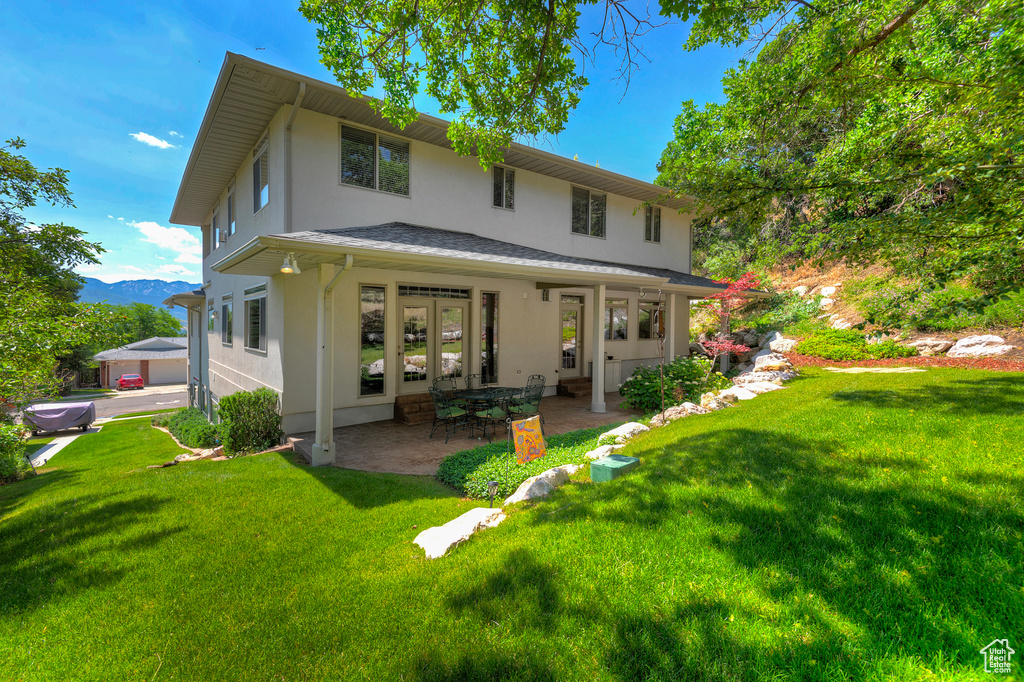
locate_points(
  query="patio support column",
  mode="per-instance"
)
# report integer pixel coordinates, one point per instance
(597, 317)
(670, 328)
(327, 276)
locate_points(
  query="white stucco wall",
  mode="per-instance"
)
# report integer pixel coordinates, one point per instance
(452, 192)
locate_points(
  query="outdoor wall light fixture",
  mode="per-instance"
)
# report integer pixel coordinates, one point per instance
(492, 490)
(643, 294)
(289, 265)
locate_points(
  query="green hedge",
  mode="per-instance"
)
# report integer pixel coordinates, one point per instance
(13, 464)
(684, 381)
(847, 344)
(470, 470)
(250, 420)
(193, 429)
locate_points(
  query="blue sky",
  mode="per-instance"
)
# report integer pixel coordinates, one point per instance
(115, 93)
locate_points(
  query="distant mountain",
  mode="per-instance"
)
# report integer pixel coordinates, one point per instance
(151, 291)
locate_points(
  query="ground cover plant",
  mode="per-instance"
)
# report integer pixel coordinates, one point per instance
(849, 344)
(469, 471)
(193, 429)
(850, 527)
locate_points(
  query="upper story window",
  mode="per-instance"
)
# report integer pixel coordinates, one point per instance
(226, 321)
(231, 211)
(588, 212)
(504, 187)
(261, 175)
(215, 232)
(374, 161)
(652, 224)
(210, 316)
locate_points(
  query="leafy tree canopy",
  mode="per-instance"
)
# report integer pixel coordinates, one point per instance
(40, 318)
(140, 321)
(864, 129)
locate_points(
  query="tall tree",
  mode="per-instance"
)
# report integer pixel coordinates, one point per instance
(40, 319)
(894, 127)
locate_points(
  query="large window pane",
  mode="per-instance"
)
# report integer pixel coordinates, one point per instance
(597, 211)
(357, 157)
(371, 334)
(580, 210)
(510, 188)
(451, 341)
(261, 180)
(616, 319)
(393, 166)
(414, 328)
(489, 353)
(256, 323)
(649, 324)
(498, 177)
(226, 324)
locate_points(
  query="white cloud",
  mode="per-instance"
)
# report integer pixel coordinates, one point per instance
(177, 239)
(176, 271)
(175, 133)
(146, 138)
(110, 216)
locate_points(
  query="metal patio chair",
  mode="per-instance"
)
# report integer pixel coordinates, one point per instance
(452, 416)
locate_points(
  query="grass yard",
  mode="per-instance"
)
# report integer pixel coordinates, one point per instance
(851, 527)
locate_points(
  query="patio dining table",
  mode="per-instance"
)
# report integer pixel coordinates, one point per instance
(482, 399)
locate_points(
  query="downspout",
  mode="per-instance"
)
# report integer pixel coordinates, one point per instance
(288, 158)
(323, 447)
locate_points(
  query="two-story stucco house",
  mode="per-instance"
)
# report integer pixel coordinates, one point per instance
(347, 263)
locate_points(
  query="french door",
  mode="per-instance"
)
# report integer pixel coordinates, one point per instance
(570, 330)
(433, 334)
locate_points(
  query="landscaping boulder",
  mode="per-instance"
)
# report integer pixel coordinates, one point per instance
(781, 345)
(760, 376)
(767, 339)
(800, 290)
(827, 291)
(826, 303)
(604, 450)
(759, 387)
(979, 346)
(840, 323)
(773, 362)
(542, 484)
(625, 432)
(711, 402)
(736, 393)
(438, 540)
(930, 345)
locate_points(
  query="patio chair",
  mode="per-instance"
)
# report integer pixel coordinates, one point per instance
(474, 381)
(535, 379)
(448, 385)
(494, 413)
(452, 416)
(528, 404)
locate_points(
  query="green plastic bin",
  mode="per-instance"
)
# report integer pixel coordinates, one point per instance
(611, 467)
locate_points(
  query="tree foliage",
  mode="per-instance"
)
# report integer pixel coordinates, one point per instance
(40, 318)
(861, 130)
(133, 322)
(888, 129)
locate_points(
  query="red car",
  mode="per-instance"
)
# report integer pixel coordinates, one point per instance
(129, 381)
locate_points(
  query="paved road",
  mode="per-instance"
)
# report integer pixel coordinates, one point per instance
(153, 398)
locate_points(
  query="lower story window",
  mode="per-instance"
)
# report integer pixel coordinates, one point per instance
(650, 323)
(256, 323)
(489, 352)
(616, 319)
(371, 336)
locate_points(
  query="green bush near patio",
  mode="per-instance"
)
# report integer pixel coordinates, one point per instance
(686, 379)
(251, 422)
(193, 429)
(470, 470)
(850, 527)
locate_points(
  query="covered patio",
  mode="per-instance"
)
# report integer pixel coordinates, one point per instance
(394, 447)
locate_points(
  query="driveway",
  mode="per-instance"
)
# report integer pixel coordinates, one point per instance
(144, 400)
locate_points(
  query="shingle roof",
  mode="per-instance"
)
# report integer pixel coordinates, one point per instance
(429, 241)
(176, 349)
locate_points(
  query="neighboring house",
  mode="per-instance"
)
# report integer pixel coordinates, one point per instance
(347, 263)
(159, 360)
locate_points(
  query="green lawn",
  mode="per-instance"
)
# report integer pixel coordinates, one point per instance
(851, 527)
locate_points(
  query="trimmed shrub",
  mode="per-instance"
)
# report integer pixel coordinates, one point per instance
(13, 464)
(847, 344)
(684, 381)
(193, 429)
(250, 420)
(470, 470)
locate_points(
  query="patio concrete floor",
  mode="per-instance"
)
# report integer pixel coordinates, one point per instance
(393, 447)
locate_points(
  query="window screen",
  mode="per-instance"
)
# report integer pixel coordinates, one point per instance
(652, 224)
(256, 323)
(357, 157)
(393, 166)
(504, 187)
